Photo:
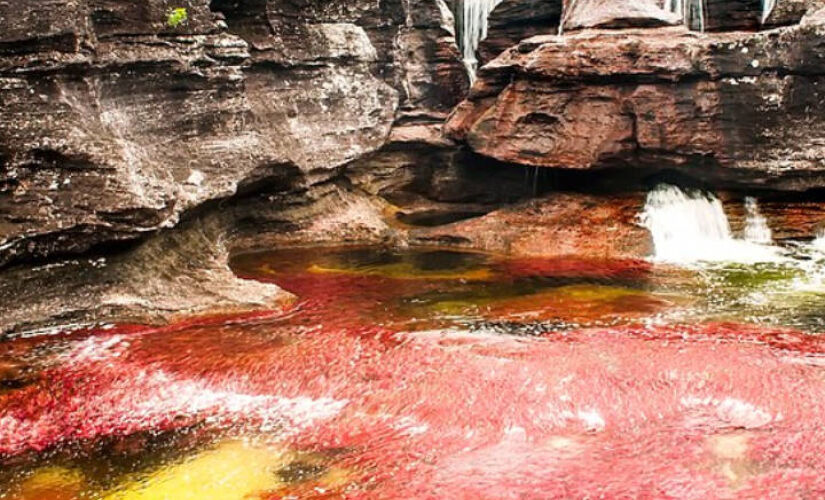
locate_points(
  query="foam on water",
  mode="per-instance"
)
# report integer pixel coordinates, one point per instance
(691, 227)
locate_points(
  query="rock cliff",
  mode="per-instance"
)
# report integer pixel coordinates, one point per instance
(114, 121)
(713, 104)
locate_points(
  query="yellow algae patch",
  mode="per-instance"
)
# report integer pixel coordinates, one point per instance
(729, 447)
(730, 457)
(407, 271)
(234, 470)
(595, 292)
(50, 483)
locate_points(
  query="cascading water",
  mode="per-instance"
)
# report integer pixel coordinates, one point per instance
(472, 29)
(767, 8)
(692, 227)
(756, 226)
(692, 12)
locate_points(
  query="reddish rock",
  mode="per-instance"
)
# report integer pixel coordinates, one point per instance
(657, 98)
(798, 219)
(560, 224)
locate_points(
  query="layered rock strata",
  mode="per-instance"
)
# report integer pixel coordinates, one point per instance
(666, 97)
(114, 121)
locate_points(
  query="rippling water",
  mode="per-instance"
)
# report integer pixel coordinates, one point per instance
(434, 374)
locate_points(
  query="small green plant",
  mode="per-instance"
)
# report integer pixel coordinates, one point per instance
(177, 17)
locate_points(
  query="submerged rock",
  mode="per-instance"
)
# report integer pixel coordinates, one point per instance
(560, 224)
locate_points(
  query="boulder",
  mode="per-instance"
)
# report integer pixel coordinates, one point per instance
(114, 122)
(582, 14)
(656, 98)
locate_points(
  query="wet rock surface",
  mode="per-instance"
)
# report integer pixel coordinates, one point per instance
(114, 122)
(263, 123)
(514, 20)
(184, 271)
(559, 224)
(171, 275)
(713, 103)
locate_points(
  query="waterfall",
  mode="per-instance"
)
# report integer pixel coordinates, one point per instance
(691, 10)
(756, 226)
(767, 8)
(677, 7)
(472, 29)
(692, 227)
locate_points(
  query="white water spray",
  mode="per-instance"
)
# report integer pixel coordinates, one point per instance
(756, 226)
(692, 227)
(767, 8)
(688, 10)
(472, 29)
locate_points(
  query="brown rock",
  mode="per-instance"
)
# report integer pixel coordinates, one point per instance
(560, 224)
(787, 12)
(41, 25)
(729, 15)
(113, 123)
(179, 272)
(514, 20)
(659, 98)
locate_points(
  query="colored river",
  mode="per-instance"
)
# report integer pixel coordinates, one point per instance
(431, 374)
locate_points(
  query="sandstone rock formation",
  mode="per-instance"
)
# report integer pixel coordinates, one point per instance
(282, 122)
(514, 20)
(663, 97)
(185, 271)
(175, 273)
(559, 224)
(113, 122)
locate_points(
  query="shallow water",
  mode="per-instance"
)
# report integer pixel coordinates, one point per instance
(426, 373)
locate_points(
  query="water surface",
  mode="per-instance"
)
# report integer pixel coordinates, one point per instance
(425, 373)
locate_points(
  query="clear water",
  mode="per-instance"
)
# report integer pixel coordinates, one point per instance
(425, 373)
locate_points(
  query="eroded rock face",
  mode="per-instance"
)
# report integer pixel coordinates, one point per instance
(113, 122)
(663, 97)
(175, 273)
(582, 14)
(185, 270)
